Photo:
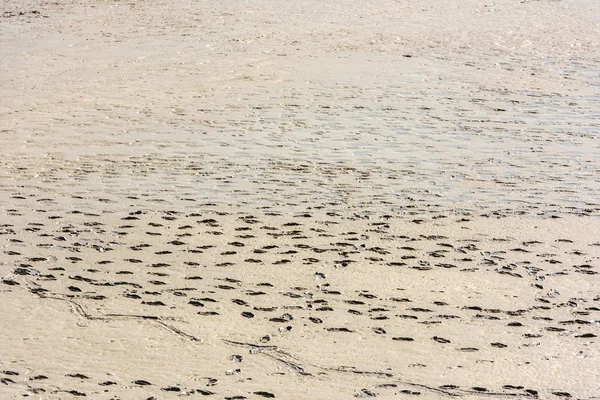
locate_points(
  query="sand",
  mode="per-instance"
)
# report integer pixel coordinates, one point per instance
(299, 200)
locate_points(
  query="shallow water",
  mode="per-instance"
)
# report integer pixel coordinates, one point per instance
(537, 155)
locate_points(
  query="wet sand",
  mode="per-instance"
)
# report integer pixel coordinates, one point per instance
(299, 200)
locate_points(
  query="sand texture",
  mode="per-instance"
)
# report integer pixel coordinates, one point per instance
(300, 199)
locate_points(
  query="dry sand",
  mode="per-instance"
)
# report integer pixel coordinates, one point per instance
(300, 199)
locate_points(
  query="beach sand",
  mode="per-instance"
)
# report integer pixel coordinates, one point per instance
(299, 200)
